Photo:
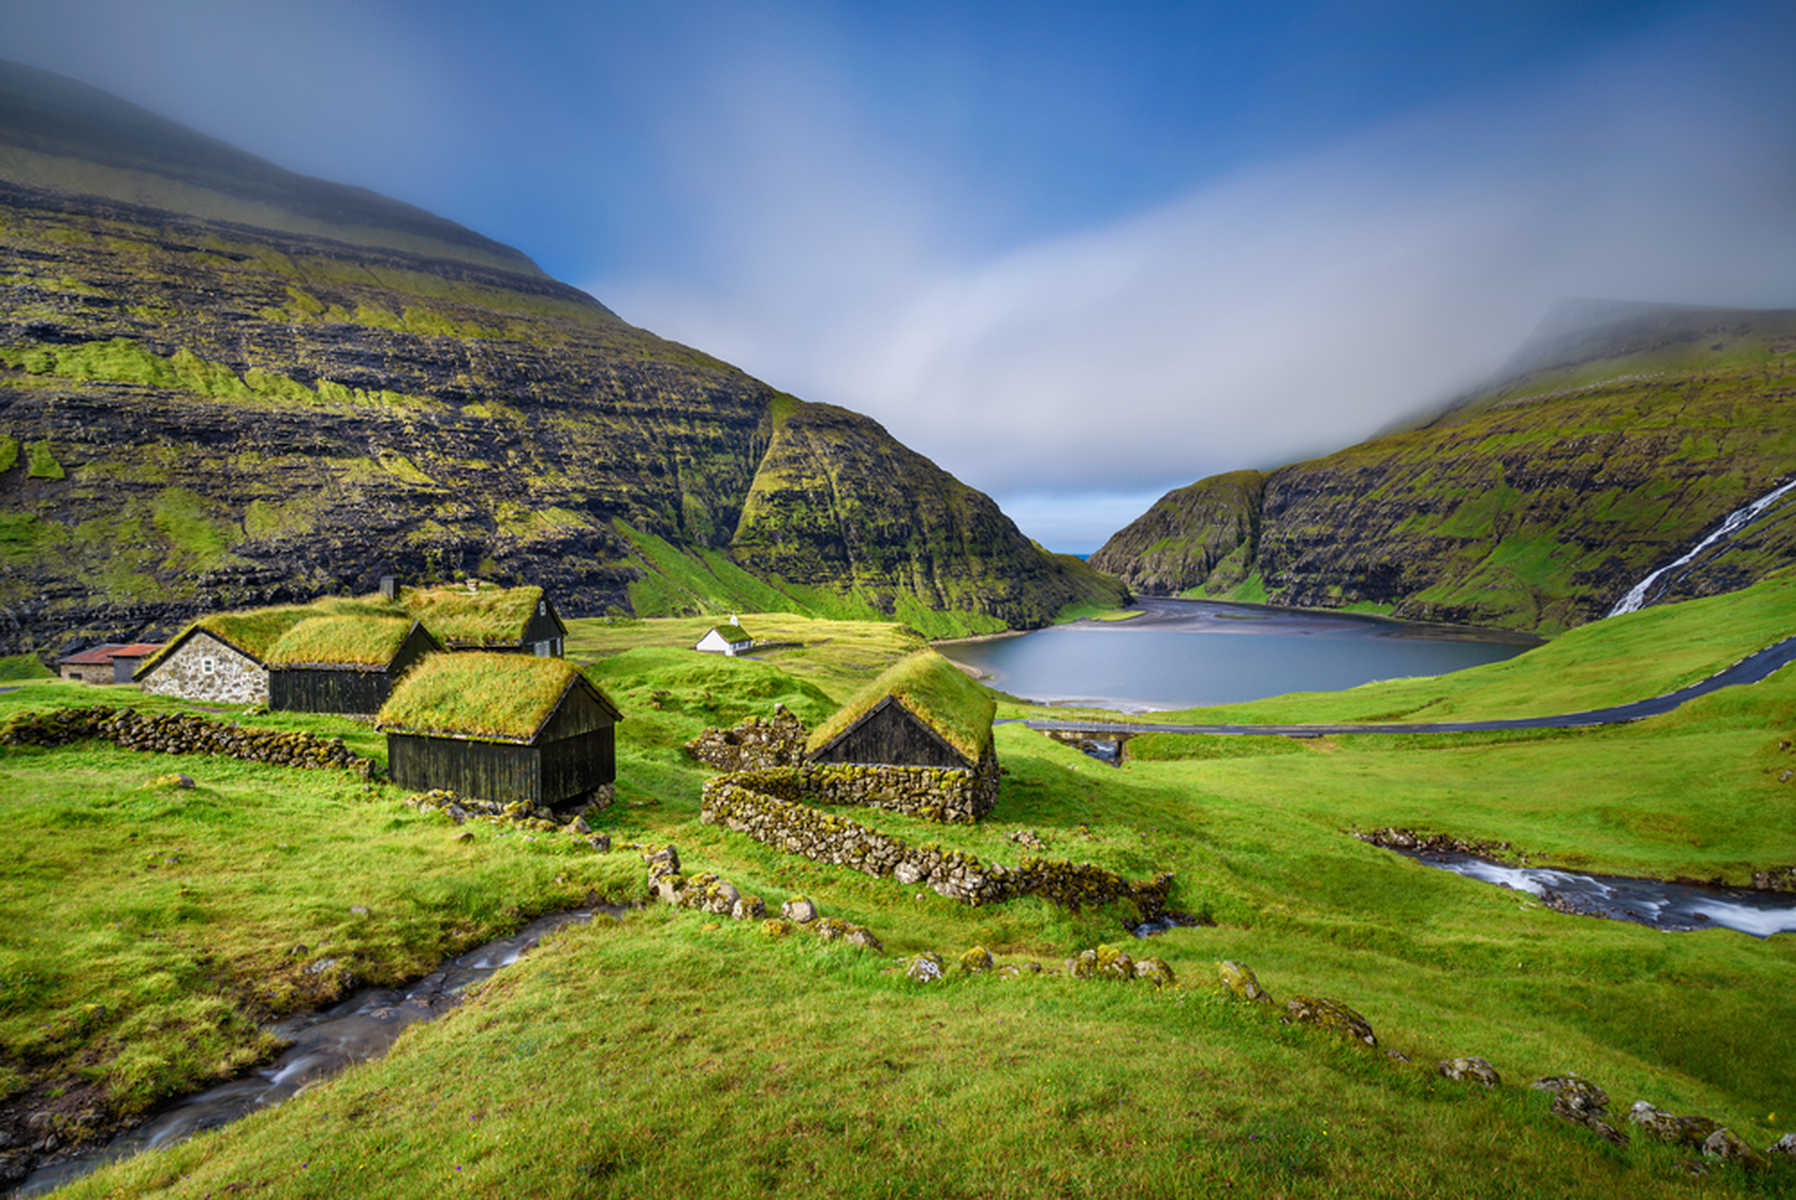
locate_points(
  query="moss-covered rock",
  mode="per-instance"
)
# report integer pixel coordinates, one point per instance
(1331, 1014)
(976, 961)
(1240, 980)
(925, 968)
(1470, 1069)
(1155, 970)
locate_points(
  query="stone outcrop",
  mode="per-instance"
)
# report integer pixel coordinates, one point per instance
(797, 828)
(1240, 980)
(1667, 1127)
(1581, 1102)
(181, 733)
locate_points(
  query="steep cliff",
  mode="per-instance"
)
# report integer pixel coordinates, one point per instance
(1623, 435)
(293, 387)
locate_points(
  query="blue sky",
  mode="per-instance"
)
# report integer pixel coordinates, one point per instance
(1077, 254)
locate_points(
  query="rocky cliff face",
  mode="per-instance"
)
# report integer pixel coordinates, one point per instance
(198, 413)
(1535, 504)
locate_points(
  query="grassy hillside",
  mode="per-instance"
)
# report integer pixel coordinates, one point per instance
(205, 407)
(673, 1051)
(1535, 504)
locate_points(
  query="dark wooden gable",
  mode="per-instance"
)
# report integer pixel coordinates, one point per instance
(412, 650)
(582, 709)
(893, 734)
(545, 623)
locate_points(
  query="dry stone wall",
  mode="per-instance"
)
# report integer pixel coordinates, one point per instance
(754, 744)
(204, 668)
(944, 794)
(180, 733)
(797, 828)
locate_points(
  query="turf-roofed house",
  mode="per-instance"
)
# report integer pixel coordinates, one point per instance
(344, 664)
(503, 727)
(729, 639)
(519, 620)
(221, 657)
(922, 713)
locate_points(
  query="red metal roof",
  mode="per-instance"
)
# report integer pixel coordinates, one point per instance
(101, 655)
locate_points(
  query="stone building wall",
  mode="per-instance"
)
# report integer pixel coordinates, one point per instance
(795, 828)
(87, 672)
(950, 795)
(204, 668)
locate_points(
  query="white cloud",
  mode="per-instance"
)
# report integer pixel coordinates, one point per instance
(1288, 309)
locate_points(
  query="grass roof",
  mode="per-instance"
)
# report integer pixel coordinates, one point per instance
(356, 641)
(252, 630)
(504, 697)
(733, 633)
(936, 690)
(492, 616)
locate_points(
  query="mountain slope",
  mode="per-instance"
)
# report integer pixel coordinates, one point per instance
(1533, 504)
(197, 412)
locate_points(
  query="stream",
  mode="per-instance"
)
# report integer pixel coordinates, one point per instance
(362, 1027)
(1674, 907)
(1733, 523)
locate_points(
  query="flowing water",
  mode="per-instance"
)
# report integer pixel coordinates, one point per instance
(362, 1027)
(1182, 653)
(1677, 907)
(1733, 523)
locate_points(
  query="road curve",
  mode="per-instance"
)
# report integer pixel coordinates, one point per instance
(1750, 669)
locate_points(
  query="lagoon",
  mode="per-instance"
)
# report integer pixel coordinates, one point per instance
(1185, 653)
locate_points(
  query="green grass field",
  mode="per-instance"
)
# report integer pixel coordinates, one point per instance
(674, 1052)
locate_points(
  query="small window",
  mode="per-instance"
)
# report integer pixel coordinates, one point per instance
(206, 665)
(542, 608)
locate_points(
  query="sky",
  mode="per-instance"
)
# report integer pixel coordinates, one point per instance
(1078, 254)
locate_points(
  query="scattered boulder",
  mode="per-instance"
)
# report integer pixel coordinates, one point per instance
(976, 961)
(748, 908)
(175, 780)
(1785, 1147)
(799, 910)
(1686, 1131)
(1155, 971)
(360, 910)
(861, 937)
(1016, 970)
(465, 835)
(1398, 1056)
(1026, 837)
(830, 928)
(1728, 1146)
(776, 928)
(1470, 1070)
(667, 859)
(1581, 1102)
(925, 968)
(1239, 979)
(1331, 1014)
(600, 842)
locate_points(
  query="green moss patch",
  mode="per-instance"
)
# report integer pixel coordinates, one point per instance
(504, 697)
(9, 452)
(936, 691)
(43, 462)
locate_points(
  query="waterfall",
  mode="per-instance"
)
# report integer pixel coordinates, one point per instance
(1736, 521)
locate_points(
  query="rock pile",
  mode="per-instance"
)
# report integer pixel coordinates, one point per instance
(1582, 1103)
(825, 837)
(461, 809)
(181, 733)
(707, 892)
(754, 744)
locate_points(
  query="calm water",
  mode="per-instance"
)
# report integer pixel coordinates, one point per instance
(1183, 653)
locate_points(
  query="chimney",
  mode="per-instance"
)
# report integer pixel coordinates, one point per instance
(389, 587)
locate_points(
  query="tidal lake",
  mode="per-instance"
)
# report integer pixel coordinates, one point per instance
(1183, 653)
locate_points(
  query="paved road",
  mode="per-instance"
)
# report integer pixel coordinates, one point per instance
(1750, 669)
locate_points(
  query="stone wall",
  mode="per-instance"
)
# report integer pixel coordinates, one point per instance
(180, 733)
(944, 794)
(204, 668)
(796, 828)
(754, 744)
